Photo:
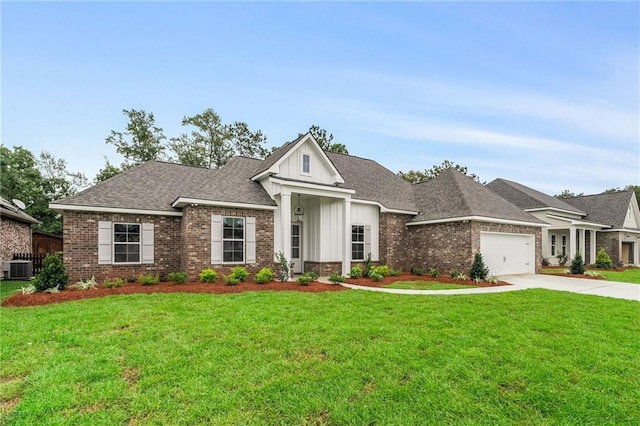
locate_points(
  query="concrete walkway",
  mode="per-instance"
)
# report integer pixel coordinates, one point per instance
(526, 281)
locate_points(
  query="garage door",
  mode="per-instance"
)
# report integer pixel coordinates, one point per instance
(508, 253)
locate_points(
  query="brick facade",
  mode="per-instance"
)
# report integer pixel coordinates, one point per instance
(80, 231)
(196, 239)
(477, 227)
(393, 241)
(323, 268)
(611, 243)
(15, 237)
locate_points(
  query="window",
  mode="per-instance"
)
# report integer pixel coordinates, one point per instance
(233, 239)
(564, 245)
(126, 243)
(629, 213)
(357, 242)
(306, 163)
(553, 245)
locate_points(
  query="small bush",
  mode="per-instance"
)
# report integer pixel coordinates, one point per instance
(85, 284)
(383, 270)
(434, 272)
(336, 278)
(418, 271)
(313, 275)
(30, 289)
(148, 279)
(545, 261)
(492, 279)
(53, 274)
(562, 259)
(376, 276)
(603, 260)
(178, 277)
(304, 279)
(240, 272)
(113, 283)
(356, 271)
(283, 266)
(479, 269)
(577, 264)
(366, 270)
(53, 290)
(395, 272)
(264, 276)
(208, 276)
(457, 275)
(593, 274)
(231, 279)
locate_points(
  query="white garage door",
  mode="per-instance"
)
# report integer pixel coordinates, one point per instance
(508, 253)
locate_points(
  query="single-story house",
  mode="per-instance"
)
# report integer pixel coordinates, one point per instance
(15, 230)
(585, 223)
(324, 211)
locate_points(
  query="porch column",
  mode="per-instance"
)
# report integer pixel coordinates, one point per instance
(572, 242)
(346, 221)
(285, 220)
(592, 246)
(582, 243)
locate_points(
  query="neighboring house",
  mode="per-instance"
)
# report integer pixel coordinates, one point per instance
(15, 230)
(324, 211)
(44, 242)
(585, 223)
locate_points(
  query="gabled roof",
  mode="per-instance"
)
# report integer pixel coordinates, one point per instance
(452, 195)
(373, 182)
(610, 209)
(528, 198)
(7, 209)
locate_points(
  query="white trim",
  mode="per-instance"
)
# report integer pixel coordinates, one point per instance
(478, 219)
(539, 209)
(317, 186)
(181, 202)
(578, 222)
(383, 209)
(631, 231)
(302, 155)
(114, 242)
(54, 206)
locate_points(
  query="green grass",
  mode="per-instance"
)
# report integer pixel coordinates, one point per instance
(425, 285)
(629, 275)
(7, 288)
(353, 357)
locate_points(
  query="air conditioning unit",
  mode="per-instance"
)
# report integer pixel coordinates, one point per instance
(17, 269)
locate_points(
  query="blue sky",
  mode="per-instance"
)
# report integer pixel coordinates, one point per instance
(547, 94)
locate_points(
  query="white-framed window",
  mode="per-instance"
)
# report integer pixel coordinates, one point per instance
(233, 239)
(306, 164)
(553, 245)
(126, 242)
(564, 245)
(357, 242)
(629, 213)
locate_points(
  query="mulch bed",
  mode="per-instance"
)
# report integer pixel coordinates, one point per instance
(560, 272)
(66, 295)
(368, 282)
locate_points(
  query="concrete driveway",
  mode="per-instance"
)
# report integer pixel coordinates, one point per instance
(576, 285)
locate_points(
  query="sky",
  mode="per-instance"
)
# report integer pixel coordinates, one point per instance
(543, 93)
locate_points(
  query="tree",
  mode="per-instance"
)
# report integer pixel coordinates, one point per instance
(417, 176)
(108, 171)
(568, 194)
(212, 143)
(577, 264)
(326, 140)
(142, 141)
(634, 188)
(58, 182)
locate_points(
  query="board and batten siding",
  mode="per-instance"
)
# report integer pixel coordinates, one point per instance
(368, 215)
(319, 173)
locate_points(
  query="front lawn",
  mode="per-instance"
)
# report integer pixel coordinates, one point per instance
(350, 357)
(7, 288)
(425, 285)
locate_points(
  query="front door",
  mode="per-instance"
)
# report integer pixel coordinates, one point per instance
(296, 247)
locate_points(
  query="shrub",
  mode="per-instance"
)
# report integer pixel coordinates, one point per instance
(376, 276)
(336, 278)
(381, 270)
(356, 271)
(479, 269)
(593, 274)
(208, 276)
(457, 275)
(492, 279)
(30, 289)
(562, 259)
(264, 276)
(395, 272)
(418, 271)
(55, 289)
(85, 284)
(177, 277)
(231, 279)
(577, 264)
(603, 260)
(113, 283)
(434, 272)
(148, 279)
(367, 266)
(304, 279)
(240, 272)
(283, 267)
(545, 261)
(312, 275)
(53, 274)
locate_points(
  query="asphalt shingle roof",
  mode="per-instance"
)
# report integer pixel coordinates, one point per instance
(373, 182)
(451, 194)
(527, 198)
(608, 209)
(7, 209)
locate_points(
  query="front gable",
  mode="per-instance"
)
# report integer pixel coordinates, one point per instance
(632, 217)
(305, 161)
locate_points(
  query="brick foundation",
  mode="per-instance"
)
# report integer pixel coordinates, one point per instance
(323, 268)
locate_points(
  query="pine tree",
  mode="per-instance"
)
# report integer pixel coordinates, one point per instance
(577, 264)
(479, 270)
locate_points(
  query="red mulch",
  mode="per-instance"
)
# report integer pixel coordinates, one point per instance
(586, 277)
(37, 299)
(410, 277)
